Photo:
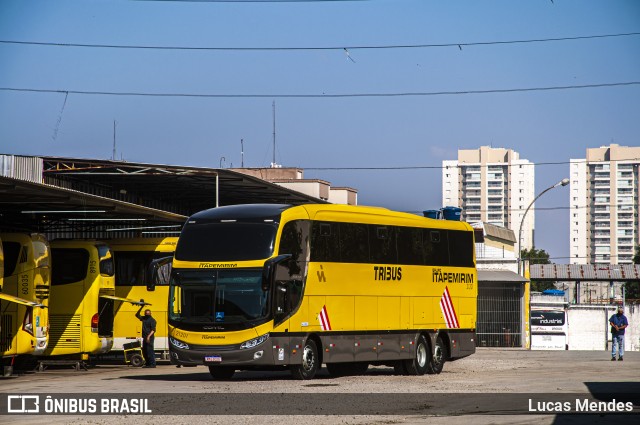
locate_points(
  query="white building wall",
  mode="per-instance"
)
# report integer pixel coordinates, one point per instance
(604, 226)
(522, 192)
(450, 184)
(589, 328)
(579, 213)
(515, 176)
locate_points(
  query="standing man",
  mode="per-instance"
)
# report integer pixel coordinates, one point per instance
(618, 322)
(148, 336)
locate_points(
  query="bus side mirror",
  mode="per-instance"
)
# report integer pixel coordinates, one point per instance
(158, 272)
(268, 271)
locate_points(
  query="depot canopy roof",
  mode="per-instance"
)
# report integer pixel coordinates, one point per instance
(179, 189)
(33, 206)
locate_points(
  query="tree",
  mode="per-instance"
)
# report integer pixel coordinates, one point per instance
(632, 289)
(537, 256)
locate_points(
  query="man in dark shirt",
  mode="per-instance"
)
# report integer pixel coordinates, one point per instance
(618, 324)
(148, 336)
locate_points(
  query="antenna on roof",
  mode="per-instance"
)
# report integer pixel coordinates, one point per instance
(113, 156)
(274, 164)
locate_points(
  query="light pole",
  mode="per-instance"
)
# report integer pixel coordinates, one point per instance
(562, 182)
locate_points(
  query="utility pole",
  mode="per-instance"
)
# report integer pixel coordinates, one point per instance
(113, 156)
(273, 164)
(242, 153)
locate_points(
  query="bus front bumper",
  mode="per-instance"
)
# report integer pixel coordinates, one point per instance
(269, 353)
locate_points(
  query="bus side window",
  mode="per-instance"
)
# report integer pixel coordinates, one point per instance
(354, 243)
(436, 247)
(325, 242)
(410, 248)
(382, 243)
(461, 248)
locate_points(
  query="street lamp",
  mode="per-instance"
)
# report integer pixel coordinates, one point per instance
(562, 182)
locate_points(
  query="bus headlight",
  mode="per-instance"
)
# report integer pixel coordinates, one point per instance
(254, 342)
(178, 344)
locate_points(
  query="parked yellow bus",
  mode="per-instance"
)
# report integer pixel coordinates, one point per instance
(24, 294)
(132, 259)
(258, 286)
(82, 299)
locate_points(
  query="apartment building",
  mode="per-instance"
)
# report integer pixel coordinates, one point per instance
(604, 206)
(491, 185)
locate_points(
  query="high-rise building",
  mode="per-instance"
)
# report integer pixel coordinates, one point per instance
(492, 185)
(604, 205)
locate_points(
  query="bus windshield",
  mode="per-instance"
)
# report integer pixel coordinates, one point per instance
(217, 296)
(226, 241)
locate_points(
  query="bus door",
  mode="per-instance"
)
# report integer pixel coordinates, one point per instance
(132, 258)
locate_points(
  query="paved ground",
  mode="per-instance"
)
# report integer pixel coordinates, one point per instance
(484, 381)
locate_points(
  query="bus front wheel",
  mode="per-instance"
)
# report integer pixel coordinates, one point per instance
(418, 365)
(221, 372)
(310, 362)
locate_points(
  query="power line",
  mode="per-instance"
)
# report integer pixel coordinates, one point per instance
(323, 95)
(255, 1)
(312, 48)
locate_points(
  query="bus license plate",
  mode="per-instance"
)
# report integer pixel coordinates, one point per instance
(214, 359)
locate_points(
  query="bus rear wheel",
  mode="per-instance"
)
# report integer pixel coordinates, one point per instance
(310, 362)
(221, 372)
(418, 365)
(436, 362)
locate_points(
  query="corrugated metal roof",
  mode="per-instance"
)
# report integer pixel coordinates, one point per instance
(585, 272)
(499, 232)
(499, 276)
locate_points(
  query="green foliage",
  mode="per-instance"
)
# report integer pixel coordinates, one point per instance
(537, 256)
(632, 289)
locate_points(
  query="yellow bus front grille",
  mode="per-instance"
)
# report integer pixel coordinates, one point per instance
(64, 331)
(6, 332)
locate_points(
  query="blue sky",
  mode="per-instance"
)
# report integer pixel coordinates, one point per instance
(543, 126)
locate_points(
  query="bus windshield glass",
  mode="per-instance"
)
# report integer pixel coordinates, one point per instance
(226, 242)
(217, 296)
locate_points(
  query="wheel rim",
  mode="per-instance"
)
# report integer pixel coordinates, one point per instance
(437, 356)
(421, 355)
(307, 358)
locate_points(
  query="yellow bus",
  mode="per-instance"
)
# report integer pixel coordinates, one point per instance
(24, 294)
(262, 286)
(82, 299)
(132, 258)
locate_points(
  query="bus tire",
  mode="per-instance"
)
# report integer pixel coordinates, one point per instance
(221, 372)
(418, 365)
(310, 362)
(436, 362)
(136, 360)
